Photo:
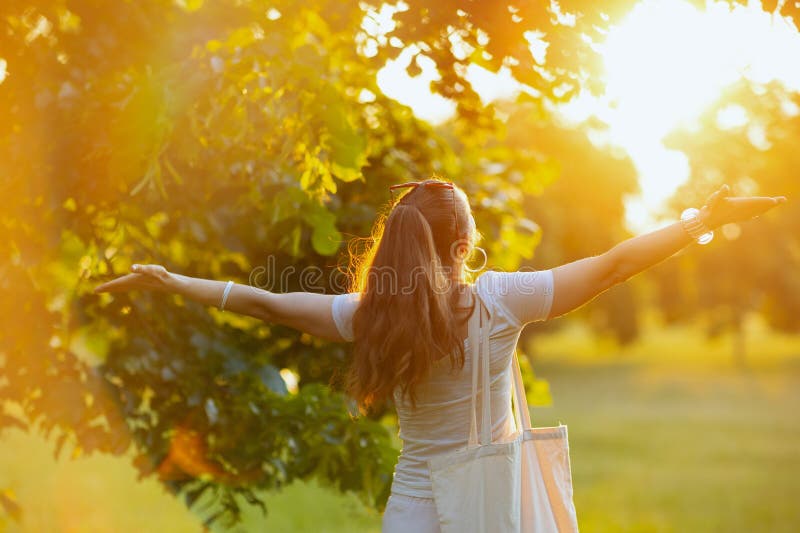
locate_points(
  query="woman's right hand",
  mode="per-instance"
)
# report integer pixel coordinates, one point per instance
(142, 277)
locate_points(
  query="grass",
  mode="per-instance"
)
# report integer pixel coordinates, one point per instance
(102, 494)
(670, 434)
(683, 452)
(665, 435)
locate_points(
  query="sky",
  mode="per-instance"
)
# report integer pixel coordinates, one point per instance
(657, 79)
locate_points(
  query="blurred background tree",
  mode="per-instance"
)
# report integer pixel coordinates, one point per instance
(748, 140)
(581, 213)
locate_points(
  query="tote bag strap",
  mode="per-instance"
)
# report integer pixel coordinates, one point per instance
(479, 349)
(522, 414)
(479, 329)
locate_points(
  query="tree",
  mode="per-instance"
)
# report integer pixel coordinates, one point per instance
(495, 35)
(211, 139)
(749, 140)
(594, 180)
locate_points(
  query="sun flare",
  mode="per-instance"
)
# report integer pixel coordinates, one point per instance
(664, 63)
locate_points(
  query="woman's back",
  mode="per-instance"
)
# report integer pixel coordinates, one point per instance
(439, 421)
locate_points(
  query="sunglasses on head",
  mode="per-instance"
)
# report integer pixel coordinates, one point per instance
(412, 186)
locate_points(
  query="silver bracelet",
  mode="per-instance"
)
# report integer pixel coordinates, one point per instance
(225, 295)
(690, 220)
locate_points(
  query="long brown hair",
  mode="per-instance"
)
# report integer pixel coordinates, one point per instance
(406, 318)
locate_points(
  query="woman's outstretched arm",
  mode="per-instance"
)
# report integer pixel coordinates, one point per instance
(578, 282)
(305, 311)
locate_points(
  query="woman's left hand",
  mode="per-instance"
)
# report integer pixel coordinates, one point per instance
(143, 277)
(721, 208)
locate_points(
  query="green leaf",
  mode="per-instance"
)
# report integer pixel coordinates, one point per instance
(345, 173)
(347, 145)
(325, 238)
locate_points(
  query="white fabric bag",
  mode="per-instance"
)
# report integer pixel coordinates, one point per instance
(522, 484)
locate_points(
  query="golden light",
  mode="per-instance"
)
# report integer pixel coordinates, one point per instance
(415, 91)
(665, 62)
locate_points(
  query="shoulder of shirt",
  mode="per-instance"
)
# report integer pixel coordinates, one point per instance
(491, 286)
(348, 296)
(490, 282)
(343, 308)
(493, 278)
(494, 286)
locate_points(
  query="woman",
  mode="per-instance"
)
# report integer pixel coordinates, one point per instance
(409, 310)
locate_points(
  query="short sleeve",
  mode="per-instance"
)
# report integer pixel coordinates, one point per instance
(522, 296)
(342, 308)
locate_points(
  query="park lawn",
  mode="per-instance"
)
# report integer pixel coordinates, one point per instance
(681, 451)
(665, 435)
(101, 494)
(671, 434)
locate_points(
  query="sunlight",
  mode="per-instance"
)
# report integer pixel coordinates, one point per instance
(659, 79)
(415, 91)
(665, 63)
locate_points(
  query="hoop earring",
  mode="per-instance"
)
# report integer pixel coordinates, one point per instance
(459, 249)
(485, 260)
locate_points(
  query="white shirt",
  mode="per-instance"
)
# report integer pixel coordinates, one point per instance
(440, 422)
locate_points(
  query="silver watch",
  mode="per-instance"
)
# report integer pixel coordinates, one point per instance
(690, 220)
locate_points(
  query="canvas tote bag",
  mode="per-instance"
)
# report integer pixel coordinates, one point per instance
(522, 484)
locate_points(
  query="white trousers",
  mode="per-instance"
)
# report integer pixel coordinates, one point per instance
(405, 514)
